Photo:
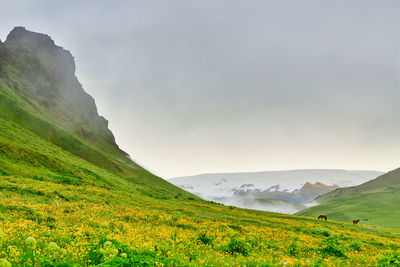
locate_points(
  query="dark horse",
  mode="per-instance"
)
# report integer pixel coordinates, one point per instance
(355, 221)
(323, 217)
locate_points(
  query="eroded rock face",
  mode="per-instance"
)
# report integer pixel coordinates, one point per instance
(47, 77)
(35, 38)
(61, 60)
(3, 53)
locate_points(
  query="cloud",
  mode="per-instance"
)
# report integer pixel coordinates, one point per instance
(213, 86)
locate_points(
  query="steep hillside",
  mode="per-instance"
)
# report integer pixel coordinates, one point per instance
(70, 197)
(41, 100)
(375, 202)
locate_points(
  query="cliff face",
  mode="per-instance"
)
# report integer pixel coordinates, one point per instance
(50, 129)
(51, 82)
(38, 78)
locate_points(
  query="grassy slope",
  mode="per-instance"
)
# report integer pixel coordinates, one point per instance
(59, 186)
(374, 203)
(48, 101)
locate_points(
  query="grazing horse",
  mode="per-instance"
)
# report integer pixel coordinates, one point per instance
(355, 221)
(323, 217)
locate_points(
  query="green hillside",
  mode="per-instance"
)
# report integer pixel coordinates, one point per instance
(41, 96)
(374, 203)
(69, 196)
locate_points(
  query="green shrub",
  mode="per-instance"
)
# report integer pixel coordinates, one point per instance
(116, 227)
(389, 258)
(237, 245)
(53, 247)
(30, 243)
(111, 252)
(331, 246)
(356, 245)
(235, 227)
(293, 248)
(122, 255)
(205, 239)
(254, 240)
(321, 231)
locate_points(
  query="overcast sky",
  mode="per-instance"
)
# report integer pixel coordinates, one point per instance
(224, 86)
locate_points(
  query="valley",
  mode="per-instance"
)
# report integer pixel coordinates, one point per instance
(70, 196)
(374, 203)
(278, 191)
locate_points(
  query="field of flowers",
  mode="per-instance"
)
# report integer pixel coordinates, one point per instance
(44, 223)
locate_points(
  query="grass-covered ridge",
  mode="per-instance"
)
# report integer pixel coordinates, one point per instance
(70, 197)
(374, 203)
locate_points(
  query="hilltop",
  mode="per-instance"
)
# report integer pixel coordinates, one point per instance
(71, 197)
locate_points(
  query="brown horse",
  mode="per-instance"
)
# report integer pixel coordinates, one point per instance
(355, 221)
(323, 217)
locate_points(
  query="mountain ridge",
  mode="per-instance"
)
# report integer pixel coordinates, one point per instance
(288, 179)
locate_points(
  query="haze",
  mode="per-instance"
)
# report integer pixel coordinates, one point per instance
(224, 86)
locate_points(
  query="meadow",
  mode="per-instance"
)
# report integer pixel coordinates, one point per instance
(374, 203)
(70, 197)
(54, 224)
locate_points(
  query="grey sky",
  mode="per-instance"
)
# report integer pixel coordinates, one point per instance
(225, 86)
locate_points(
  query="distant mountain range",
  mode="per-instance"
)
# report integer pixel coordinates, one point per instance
(278, 191)
(307, 193)
(278, 201)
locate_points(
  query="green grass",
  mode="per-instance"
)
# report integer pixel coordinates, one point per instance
(380, 209)
(374, 203)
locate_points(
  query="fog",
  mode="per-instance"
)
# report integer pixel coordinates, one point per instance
(272, 205)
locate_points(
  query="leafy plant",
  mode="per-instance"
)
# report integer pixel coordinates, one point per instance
(237, 245)
(389, 258)
(205, 239)
(331, 246)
